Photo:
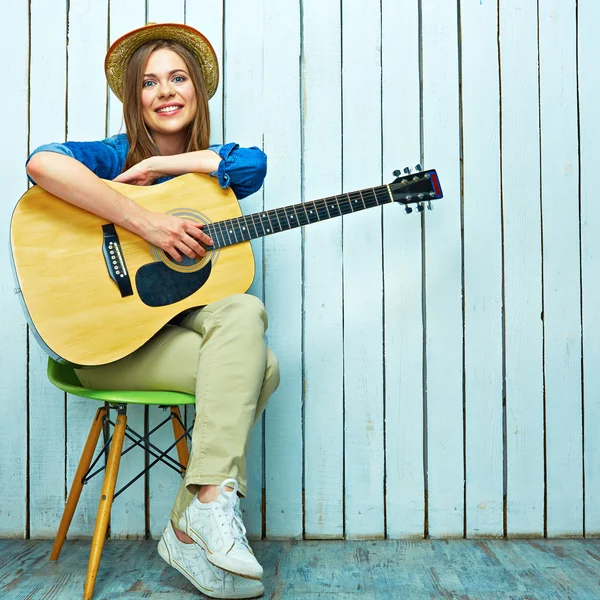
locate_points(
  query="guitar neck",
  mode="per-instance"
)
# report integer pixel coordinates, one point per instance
(256, 225)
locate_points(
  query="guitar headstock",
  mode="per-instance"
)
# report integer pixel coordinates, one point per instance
(418, 187)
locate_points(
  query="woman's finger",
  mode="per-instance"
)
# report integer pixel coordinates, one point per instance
(195, 230)
(194, 245)
(173, 254)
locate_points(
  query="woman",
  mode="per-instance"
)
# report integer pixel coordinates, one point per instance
(165, 74)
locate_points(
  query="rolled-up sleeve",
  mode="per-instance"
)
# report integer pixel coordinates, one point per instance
(104, 158)
(244, 169)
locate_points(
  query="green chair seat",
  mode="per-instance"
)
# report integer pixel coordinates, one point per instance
(64, 378)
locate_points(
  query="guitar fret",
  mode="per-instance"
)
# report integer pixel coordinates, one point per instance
(344, 204)
(287, 221)
(259, 232)
(223, 232)
(277, 221)
(264, 216)
(299, 217)
(231, 230)
(371, 202)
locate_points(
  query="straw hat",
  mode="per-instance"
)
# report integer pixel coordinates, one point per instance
(120, 53)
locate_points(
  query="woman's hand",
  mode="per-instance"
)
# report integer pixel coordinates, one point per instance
(174, 235)
(144, 173)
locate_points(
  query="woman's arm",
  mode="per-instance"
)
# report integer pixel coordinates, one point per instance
(70, 180)
(243, 169)
(149, 170)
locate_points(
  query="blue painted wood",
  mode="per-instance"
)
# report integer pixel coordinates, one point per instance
(403, 278)
(13, 331)
(522, 270)
(465, 569)
(323, 324)
(375, 357)
(589, 91)
(363, 273)
(283, 271)
(483, 270)
(561, 260)
(443, 293)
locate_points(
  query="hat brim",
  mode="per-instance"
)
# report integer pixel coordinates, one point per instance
(121, 51)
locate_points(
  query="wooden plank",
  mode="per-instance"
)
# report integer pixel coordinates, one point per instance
(483, 269)
(13, 331)
(499, 569)
(163, 482)
(207, 17)
(283, 271)
(128, 518)
(403, 276)
(323, 334)
(561, 267)
(363, 273)
(86, 111)
(48, 78)
(522, 269)
(243, 101)
(444, 334)
(166, 12)
(589, 92)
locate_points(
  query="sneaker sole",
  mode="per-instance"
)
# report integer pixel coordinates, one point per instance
(163, 551)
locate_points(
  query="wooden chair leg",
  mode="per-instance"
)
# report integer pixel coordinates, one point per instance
(182, 447)
(77, 485)
(105, 504)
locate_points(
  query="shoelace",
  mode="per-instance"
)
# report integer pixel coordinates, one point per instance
(232, 513)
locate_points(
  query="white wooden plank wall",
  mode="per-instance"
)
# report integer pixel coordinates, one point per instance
(439, 371)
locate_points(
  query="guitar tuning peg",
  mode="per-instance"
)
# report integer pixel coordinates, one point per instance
(407, 170)
(408, 209)
(418, 167)
(429, 205)
(419, 207)
(397, 173)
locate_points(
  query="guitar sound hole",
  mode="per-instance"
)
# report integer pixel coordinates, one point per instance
(185, 261)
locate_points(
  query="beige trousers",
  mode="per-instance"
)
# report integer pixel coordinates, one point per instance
(219, 354)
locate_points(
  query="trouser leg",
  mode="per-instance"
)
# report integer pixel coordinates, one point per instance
(231, 370)
(270, 383)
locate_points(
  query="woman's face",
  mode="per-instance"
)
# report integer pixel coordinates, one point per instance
(168, 96)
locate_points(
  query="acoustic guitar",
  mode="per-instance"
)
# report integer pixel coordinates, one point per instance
(94, 292)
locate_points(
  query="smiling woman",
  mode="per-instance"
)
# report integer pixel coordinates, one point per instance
(165, 75)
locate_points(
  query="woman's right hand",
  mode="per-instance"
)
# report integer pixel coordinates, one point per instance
(174, 235)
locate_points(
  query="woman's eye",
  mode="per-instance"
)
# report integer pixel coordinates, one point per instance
(148, 83)
(178, 78)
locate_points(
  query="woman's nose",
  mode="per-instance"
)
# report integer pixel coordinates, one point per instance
(166, 90)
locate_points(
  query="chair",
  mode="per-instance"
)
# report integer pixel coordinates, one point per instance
(64, 378)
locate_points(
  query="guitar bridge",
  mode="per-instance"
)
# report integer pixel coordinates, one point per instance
(115, 263)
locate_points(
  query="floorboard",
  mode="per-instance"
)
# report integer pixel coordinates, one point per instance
(311, 570)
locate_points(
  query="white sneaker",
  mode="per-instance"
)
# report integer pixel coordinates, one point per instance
(218, 528)
(190, 561)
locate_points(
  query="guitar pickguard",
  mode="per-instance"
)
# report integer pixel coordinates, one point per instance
(158, 285)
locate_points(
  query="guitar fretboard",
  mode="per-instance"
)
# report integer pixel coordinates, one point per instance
(248, 227)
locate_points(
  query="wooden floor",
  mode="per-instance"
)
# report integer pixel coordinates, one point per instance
(457, 569)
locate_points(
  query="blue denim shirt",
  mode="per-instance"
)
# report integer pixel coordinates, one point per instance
(243, 169)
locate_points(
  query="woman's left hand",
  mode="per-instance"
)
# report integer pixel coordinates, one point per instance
(140, 174)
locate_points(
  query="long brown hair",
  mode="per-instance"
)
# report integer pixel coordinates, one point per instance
(141, 144)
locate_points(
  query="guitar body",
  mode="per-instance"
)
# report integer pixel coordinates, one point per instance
(73, 273)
